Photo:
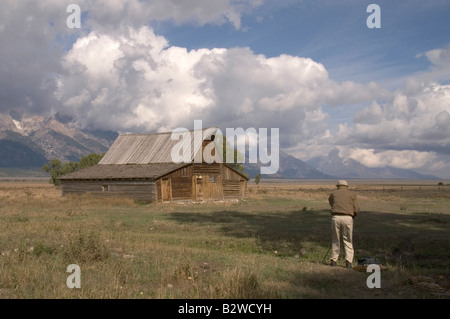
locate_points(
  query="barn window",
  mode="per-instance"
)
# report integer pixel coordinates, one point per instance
(213, 178)
(105, 188)
(184, 172)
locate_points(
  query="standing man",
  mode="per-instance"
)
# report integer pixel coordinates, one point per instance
(344, 207)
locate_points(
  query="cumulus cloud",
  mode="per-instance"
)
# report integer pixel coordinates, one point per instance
(399, 159)
(370, 115)
(408, 122)
(405, 128)
(409, 129)
(129, 80)
(34, 36)
(29, 55)
(440, 60)
(439, 69)
(439, 57)
(132, 79)
(118, 74)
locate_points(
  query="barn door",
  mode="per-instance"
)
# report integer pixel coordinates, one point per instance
(213, 191)
(242, 188)
(166, 193)
(198, 189)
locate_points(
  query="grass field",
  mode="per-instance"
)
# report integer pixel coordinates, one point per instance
(270, 245)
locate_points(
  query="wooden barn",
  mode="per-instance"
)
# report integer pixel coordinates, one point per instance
(140, 166)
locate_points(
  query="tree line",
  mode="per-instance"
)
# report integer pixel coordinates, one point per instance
(56, 168)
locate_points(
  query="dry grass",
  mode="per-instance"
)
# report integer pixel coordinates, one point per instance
(268, 246)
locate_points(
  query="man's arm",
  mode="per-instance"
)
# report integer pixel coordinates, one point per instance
(356, 206)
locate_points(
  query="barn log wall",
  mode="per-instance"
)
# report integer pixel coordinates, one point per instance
(231, 189)
(209, 176)
(202, 182)
(181, 189)
(234, 184)
(158, 190)
(181, 184)
(206, 169)
(140, 190)
(212, 188)
(194, 182)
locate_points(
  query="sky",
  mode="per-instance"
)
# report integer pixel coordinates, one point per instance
(312, 68)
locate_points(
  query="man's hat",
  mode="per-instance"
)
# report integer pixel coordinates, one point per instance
(342, 183)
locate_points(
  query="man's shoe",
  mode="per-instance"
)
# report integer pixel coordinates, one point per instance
(333, 263)
(348, 264)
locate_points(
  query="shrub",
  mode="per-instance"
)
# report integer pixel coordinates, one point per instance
(41, 249)
(86, 248)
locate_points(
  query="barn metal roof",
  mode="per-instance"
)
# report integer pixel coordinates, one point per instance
(153, 148)
(146, 156)
(148, 171)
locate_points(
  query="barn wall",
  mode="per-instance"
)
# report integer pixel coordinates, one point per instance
(213, 189)
(181, 188)
(201, 182)
(139, 190)
(197, 182)
(158, 190)
(228, 173)
(207, 182)
(218, 182)
(180, 183)
(231, 189)
(206, 169)
(234, 185)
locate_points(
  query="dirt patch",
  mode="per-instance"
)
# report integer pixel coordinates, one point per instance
(438, 286)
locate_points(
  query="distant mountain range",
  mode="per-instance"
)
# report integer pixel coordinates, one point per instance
(30, 142)
(332, 167)
(289, 167)
(351, 169)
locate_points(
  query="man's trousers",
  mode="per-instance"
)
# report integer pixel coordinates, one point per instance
(342, 227)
